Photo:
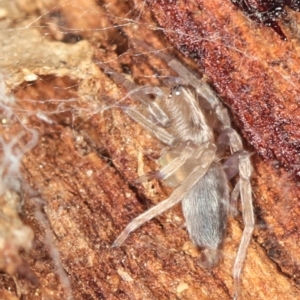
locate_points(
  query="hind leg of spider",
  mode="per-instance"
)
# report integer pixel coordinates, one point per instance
(245, 170)
(176, 197)
(243, 188)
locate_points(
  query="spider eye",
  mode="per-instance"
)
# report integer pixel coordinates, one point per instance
(175, 91)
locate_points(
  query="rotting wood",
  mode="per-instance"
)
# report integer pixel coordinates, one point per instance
(83, 169)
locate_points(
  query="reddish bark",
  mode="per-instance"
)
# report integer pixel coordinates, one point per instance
(253, 70)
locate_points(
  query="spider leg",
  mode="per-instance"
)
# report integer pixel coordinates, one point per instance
(159, 132)
(234, 198)
(178, 194)
(171, 163)
(187, 151)
(231, 169)
(140, 94)
(245, 169)
(243, 187)
(200, 85)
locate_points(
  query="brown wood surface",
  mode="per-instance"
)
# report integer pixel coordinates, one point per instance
(78, 183)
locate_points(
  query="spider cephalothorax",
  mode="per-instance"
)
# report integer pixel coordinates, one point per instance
(267, 12)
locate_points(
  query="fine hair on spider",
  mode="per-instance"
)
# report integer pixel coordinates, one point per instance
(196, 136)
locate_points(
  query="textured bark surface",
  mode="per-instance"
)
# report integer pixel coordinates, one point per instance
(255, 72)
(79, 188)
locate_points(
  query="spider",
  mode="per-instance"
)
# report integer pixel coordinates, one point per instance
(195, 126)
(268, 11)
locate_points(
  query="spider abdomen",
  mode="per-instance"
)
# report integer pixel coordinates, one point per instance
(205, 210)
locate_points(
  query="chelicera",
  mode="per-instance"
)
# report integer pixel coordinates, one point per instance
(267, 12)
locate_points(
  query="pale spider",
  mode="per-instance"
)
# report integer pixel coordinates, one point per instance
(196, 128)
